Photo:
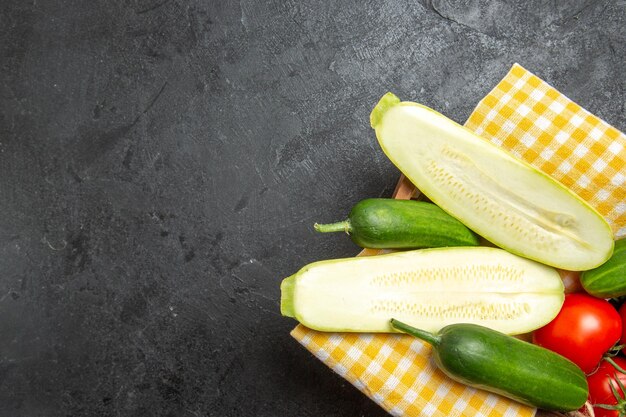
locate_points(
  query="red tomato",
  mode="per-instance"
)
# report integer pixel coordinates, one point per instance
(600, 388)
(622, 314)
(584, 330)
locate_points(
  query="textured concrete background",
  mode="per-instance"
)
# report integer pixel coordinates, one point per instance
(162, 163)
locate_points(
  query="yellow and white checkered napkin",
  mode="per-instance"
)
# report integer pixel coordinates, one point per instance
(537, 123)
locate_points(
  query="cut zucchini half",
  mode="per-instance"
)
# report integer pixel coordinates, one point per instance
(428, 288)
(502, 198)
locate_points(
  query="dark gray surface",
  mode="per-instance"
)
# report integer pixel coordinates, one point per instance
(162, 162)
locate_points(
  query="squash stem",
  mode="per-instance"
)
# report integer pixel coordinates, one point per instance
(428, 337)
(343, 226)
(286, 296)
(385, 103)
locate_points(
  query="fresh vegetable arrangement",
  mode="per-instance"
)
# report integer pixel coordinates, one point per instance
(467, 300)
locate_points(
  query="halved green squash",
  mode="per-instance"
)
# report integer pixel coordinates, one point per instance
(500, 197)
(428, 288)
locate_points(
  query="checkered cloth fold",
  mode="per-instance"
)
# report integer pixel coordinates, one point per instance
(535, 122)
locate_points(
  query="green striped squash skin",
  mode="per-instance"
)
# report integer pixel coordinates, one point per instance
(609, 279)
(380, 223)
(486, 359)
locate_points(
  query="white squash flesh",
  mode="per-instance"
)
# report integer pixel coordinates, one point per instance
(428, 289)
(500, 197)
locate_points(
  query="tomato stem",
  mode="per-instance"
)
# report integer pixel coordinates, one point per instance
(620, 398)
(615, 365)
(607, 406)
(615, 350)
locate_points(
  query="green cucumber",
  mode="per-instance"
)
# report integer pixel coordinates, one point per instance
(500, 197)
(486, 359)
(429, 288)
(385, 223)
(609, 279)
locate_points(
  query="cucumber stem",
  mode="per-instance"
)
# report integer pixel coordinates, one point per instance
(428, 337)
(286, 296)
(343, 226)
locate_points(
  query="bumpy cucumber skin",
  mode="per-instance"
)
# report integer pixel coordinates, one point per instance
(609, 279)
(484, 358)
(382, 223)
